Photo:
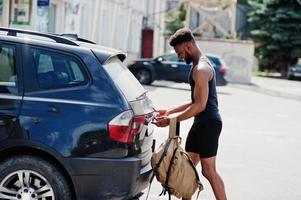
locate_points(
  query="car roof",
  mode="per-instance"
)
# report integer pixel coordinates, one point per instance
(104, 53)
(64, 41)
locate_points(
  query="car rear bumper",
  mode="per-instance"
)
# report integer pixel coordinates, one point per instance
(116, 179)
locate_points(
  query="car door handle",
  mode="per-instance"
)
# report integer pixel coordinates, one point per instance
(174, 65)
(2, 122)
(35, 120)
(53, 109)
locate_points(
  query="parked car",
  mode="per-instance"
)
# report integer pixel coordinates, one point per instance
(74, 122)
(169, 67)
(294, 72)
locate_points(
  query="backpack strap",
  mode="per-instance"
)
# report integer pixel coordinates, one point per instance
(173, 130)
(196, 173)
(162, 156)
(190, 161)
(166, 187)
(158, 165)
(169, 167)
(174, 127)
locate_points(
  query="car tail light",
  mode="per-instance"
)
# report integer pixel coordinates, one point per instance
(222, 70)
(124, 127)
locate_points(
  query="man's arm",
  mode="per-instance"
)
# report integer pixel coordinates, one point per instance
(201, 76)
(180, 108)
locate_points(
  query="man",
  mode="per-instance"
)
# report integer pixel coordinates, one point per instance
(202, 139)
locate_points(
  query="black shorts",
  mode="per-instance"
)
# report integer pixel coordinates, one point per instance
(203, 138)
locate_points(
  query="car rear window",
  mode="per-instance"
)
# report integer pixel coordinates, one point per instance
(55, 70)
(124, 79)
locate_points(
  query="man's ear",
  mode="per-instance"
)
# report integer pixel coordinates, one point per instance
(188, 46)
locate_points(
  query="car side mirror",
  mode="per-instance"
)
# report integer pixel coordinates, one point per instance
(160, 59)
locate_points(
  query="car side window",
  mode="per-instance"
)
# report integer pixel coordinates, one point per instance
(170, 57)
(8, 75)
(56, 70)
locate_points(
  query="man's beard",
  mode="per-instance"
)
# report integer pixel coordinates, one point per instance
(188, 59)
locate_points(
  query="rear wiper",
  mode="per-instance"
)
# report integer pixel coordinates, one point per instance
(142, 95)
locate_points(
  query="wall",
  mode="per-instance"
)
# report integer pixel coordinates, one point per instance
(154, 15)
(113, 23)
(159, 27)
(4, 13)
(29, 13)
(238, 56)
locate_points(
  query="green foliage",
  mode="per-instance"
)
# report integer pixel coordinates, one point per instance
(245, 2)
(175, 19)
(276, 25)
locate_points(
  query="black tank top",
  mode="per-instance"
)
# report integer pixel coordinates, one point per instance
(211, 110)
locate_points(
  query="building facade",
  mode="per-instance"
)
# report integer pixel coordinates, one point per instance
(113, 23)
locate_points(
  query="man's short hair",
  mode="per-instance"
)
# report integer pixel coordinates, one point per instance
(180, 36)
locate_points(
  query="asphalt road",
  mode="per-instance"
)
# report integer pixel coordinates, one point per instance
(260, 145)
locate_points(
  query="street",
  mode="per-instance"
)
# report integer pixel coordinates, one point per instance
(259, 150)
(75, 122)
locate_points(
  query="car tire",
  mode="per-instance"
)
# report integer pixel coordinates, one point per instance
(30, 176)
(144, 76)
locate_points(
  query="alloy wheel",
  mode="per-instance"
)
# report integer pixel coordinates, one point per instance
(25, 185)
(143, 76)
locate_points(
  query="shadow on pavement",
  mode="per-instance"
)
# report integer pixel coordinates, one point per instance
(154, 87)
(266, 91)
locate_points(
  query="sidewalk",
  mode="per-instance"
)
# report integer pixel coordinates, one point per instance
(274, 87)
(269, 86)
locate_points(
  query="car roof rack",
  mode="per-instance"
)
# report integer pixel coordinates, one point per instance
(75, 37)
(56, 38)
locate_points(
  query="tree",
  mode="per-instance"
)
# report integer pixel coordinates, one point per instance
(245, 2)
(276, 25)
(175, 19)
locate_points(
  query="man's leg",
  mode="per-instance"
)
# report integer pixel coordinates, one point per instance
(210, 173)
(195, 160)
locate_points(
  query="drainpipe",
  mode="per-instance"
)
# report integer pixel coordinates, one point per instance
(113, 39)
(95, 23)
(126, 41)
(5, 13)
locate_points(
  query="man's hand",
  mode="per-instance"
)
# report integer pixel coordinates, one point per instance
(161, 121)
(162, 112)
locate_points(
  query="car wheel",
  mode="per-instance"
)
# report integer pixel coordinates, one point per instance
(144, 76)
(30, 177)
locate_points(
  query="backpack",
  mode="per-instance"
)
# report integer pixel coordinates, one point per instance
(173, 167)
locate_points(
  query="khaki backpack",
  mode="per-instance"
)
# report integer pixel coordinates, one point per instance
(173, 167)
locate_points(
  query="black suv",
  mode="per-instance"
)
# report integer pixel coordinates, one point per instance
(74, 121)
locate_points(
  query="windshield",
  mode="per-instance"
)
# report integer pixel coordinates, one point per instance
(124, 79)
(172, 57)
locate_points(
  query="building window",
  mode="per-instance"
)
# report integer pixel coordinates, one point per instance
(20, 12)
(1, 8)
